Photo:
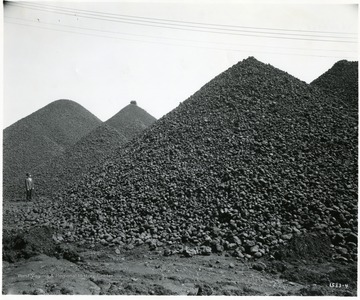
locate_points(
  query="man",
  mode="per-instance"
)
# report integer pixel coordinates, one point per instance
(29, 185)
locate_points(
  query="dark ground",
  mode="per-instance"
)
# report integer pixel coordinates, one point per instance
(34, 264)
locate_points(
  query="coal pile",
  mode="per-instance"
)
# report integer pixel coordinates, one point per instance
(67, 167)
(75, 158)
(41, 136)
(251, 160)
(341, 81)
(92, 149)
(131, 120)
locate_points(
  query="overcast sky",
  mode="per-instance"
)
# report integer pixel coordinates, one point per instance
(103, 55)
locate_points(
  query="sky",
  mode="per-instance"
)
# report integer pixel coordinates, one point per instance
(105, 54)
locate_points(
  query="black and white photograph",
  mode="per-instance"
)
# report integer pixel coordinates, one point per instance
(180, 148)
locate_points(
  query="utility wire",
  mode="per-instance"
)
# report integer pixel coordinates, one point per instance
(169, 44)
(66, 10)
(188, 29)
(174, 39)
(110, 15)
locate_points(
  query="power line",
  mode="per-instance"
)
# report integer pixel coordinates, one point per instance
(110, 15)
(148, 23)
(169, 44)
(175, 39)
(188, 29)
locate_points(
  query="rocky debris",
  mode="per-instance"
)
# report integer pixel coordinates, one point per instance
(38, 292)
(259, 266)
(42, 274)
(310, 247)
(131, 120)
(137, 289)
(205, 250)
(322, 275)
(189, 252)
(252, 160)
(23, 245)
(66, 291)
(204, 290)
(306, 260)
(341, 81)
(316, 290)
(26, 244)
(39, 137)
(69, 254)
(312, 290)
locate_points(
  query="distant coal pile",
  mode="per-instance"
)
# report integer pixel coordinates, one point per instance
(63, 169)
(341, 81)
(41, 136)
(251, 160)
(131, 120)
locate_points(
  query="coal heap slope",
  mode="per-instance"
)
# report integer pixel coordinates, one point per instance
(42, 135)
(252, 159)
(90, 150)
(67, 167)
(341, 81)
(131, 120)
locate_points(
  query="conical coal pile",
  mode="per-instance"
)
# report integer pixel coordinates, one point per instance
(131, 120)
(341, 81)
(39, 137)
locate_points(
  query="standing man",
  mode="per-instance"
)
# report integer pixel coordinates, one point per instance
(29, 185)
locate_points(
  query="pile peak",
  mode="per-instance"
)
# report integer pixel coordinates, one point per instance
(59, 101)
(249, 61)
(131, 120)
(341, 80)
(251, 58)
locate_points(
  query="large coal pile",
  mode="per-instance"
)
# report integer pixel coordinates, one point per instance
(131, 120)
(41, 136)
(251, 160)
(341, 81)
(65, 168)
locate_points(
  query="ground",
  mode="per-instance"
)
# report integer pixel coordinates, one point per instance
(34, 264)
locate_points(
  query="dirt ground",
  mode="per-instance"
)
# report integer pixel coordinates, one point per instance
(34, 264)
(145, 273)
